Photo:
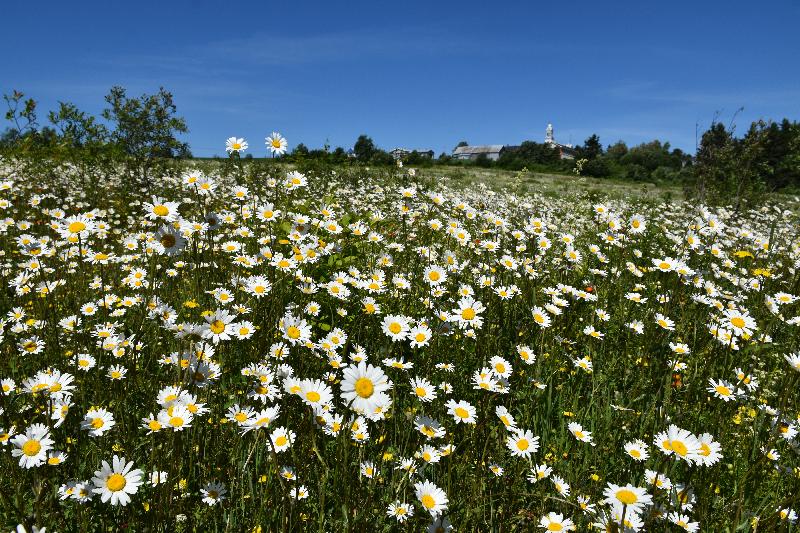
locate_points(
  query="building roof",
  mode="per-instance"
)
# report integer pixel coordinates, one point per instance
(485, 149)
(409, 150)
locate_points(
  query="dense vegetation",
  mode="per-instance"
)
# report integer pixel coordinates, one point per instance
(242, 347)
(144, 133)
(282, 345)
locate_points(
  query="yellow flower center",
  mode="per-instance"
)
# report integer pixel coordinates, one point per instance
(364, 387)
(627, 497)
(468, 313)
(281, 440)
(160, 210)
(522, 444)
(116, 482)
(218, 326)
(428, 502)
(421, 392)
(722, 390)
(664, 265)
(97, 423)
(313, 396)
(176, 421)
(293, 332)
(679, 448)
(461, 412)
(31, 448)
(154, 425)
(76, 227)
(434, 276)
(737, 322)
(395, 327)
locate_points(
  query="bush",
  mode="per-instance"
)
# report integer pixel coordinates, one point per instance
(596, 168)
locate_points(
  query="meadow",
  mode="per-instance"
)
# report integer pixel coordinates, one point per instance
(242, 347)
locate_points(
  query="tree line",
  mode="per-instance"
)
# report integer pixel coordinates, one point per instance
(143, 134)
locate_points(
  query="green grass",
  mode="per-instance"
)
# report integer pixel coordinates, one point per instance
(154, 310)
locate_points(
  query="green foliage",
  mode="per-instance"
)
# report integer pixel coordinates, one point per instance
(592, 149)
(143, 138)
(597, 168)
(77, 129)
(381, 158)
(142, 135)
(531, 154)
(619, 385)
(146, 130)
(731, 171)
(364, 148)
(23, 114)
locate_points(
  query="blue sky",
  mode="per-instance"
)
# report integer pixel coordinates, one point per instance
(417, 74)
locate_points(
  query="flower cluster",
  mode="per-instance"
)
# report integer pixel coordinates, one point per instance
(285, 348)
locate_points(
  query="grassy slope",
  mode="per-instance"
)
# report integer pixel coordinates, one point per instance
(550, 184)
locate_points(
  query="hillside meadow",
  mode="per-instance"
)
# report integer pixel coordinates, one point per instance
(256, 347)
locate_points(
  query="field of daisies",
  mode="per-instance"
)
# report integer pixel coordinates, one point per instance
(246, 347)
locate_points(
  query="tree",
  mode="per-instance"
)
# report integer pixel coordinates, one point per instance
(381, 158)
(731, 171)
(77, 129)
(782, 154)
(145, 128)
(364, 148)
(530, 154)
(25, 119)
(596, 168)
(592, 148)
(23, 135)
(483, 161)
(300, 151)
(648, 155)
(617, 150)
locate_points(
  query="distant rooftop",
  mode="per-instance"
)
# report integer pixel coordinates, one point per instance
(475, 150)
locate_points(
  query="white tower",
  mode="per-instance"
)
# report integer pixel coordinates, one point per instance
(548, 135)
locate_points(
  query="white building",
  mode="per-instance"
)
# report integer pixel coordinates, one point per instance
(567, 151)
(492, 152)
(402, 153)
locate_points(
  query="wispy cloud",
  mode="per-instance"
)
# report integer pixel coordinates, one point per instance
(226, 57)
(657, 92)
